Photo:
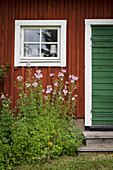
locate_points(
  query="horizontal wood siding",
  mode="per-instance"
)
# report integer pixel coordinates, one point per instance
(75, 12)
(102, 75)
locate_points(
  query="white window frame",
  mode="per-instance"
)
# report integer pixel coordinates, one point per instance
(88, 65)
(20, 60)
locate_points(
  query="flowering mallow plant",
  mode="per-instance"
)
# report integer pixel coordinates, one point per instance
(44, 125)
(60, 94)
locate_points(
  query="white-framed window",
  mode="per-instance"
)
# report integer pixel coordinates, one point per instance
(40, 42)
(88, 64)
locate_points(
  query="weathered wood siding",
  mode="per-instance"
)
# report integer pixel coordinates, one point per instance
(74, 11)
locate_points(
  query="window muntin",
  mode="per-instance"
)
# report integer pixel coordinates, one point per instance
(41, 42)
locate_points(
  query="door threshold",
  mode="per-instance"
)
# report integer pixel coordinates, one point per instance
(99, 128)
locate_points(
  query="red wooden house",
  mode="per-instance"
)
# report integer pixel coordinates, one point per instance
(81, 41)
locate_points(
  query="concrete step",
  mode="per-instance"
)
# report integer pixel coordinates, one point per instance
(98, 138)
(95, 149)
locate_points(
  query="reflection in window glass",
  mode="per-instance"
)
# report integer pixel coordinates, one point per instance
(49, 50)
(49, 35)
(31, 50)
(33, 47)
(31, 35)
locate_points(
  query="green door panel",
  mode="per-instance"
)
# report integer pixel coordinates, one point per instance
(102, 62)
(102, 122)
(102, 110)
(102, 80)
(102, 43)
(102, 68)
(107, 99)
(103, 105)
(101, 38)
(102, 75)
(102, 92)
(100, 50)
(102, 56)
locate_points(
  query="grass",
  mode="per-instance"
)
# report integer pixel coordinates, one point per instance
(81, 162)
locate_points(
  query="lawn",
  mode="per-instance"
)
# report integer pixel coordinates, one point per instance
(94, 161)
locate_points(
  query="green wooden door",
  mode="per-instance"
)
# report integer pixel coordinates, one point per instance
(102, 75)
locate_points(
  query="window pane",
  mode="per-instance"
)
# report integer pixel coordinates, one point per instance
(49, 50)
(31, 35)
(49, 35)
(31, 50)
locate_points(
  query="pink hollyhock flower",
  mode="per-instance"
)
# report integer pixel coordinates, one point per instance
(43, 90)
(74, 77)
(49, 87)
(61, 98)
(38, 71)
(45, 97)
(60, 74)
(56, 84)
(72, 81)
(70, 76)
(28, 85)
(73, 98)
(54, 92)
(28, 64)
(38, 76)
(35, 84)
(2, 96)
(51, 74)
(64, 71)
(48, 91)
(65, 91)
(19, 78)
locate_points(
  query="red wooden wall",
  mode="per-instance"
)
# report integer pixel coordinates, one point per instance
(74, 11)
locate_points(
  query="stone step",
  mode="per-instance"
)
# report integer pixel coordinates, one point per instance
(99, 138)
(95, 149)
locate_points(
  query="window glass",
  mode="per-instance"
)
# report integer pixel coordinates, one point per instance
(45, 46)
(49, 35)
(31, 35)
(31, 50)
(49, 50)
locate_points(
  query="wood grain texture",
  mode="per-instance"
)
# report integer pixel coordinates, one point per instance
(75, 12)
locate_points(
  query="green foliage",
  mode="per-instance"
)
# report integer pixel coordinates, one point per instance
(6, 121)
(3, 70)
(44, 126)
